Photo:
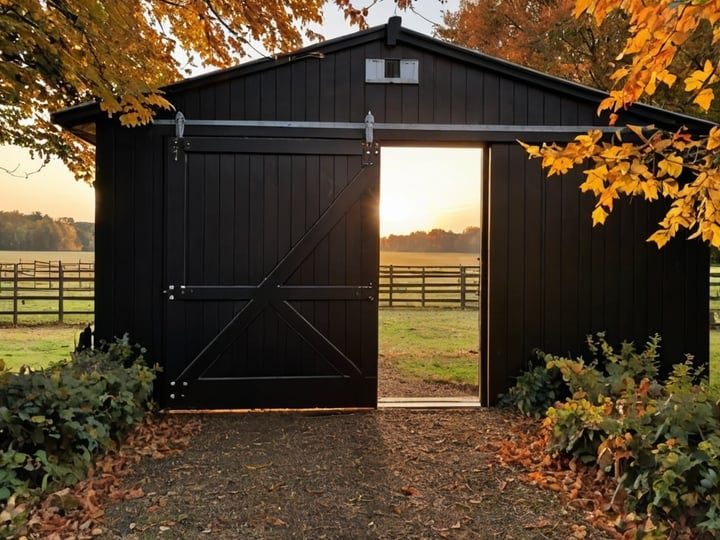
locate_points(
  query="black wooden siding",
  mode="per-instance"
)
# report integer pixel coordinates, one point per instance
(552, 278)
(333, 89)
(129, 225)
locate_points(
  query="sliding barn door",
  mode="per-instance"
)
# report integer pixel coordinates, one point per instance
(271, 272)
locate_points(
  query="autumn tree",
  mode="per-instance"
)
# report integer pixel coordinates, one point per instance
(58, 53)
(683, 167)
(542, 34)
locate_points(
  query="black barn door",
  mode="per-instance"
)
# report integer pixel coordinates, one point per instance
(271, 263)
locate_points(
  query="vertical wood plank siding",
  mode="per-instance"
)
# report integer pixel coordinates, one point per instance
(129, 224)
(333, 89)
(552, 277)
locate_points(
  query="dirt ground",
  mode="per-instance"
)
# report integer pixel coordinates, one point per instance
(391, 383)
(388, 473)
(380, 474)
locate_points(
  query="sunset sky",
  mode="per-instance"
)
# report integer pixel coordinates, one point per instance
(54, 191)
(429, 188)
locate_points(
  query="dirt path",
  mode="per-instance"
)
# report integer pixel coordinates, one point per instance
(380, 474)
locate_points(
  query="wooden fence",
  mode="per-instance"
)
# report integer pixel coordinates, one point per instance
(52, 290)
(429, 286)
(46, 290)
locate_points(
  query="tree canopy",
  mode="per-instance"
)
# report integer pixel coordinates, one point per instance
(38, 232)
(58, 53)
(681, 167)
(543, 35)
(435, 240)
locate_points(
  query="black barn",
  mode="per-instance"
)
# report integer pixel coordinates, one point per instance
(242, 250)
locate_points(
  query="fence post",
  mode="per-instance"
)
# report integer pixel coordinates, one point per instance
(390, 289)
(15, 294)
(463, 284)
(60, 292)
(422, 288)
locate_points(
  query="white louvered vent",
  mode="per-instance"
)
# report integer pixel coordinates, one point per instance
(391, 71)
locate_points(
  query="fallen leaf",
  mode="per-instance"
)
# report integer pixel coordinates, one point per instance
(258, 467)
(540, 524)
(409, 491)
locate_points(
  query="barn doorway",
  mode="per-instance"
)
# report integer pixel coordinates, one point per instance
(429, 284)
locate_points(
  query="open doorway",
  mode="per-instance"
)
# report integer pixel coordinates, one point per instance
(430, 242)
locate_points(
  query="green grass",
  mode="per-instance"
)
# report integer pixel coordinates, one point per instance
(715, 357)
(431, 344)
(37, 346)
(48, 306)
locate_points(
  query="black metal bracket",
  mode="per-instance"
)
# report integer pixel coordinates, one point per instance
(175, 394)
(177, 144)
(370, 150)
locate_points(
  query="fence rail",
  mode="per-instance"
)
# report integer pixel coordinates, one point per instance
(55, 289)
(51, 289)
(429, 286)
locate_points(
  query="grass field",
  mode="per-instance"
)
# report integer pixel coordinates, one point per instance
(45, 256)
(431, 344)
(37, 346)
(418, 258)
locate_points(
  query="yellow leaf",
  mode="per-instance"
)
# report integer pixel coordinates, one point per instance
(650, 190)
(560, 165)
(638, 130)
(532, 150)
(599, 215)
(595, 181)
(581, 6)
(705, 98)
(713, 140)
(671, 166)
(697, 78)
(660, 237)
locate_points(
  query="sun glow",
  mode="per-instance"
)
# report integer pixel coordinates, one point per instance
(426, 188)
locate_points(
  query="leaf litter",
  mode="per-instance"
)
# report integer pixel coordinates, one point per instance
(379, 474)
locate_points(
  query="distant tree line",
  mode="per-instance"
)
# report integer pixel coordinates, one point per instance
(436, 240)
(38, 232)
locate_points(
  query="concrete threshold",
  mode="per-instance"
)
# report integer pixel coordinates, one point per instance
(455, 402)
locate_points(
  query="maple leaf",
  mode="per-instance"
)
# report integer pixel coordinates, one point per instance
(595, 181)
(599, 215)
(698, 78)
(672, 165)
(713, 140)
(705, 98)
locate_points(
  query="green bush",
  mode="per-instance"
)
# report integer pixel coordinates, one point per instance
(52, 421)
(661, 439)
(536, 390)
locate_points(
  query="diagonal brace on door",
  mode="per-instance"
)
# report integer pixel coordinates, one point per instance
(266, 293)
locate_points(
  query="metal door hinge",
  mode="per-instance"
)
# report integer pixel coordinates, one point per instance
(170, 292)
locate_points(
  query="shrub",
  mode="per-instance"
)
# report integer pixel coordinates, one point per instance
(52, 421)
(661, 439)
(535, 390)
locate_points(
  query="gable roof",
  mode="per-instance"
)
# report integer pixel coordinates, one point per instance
(80, 119)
